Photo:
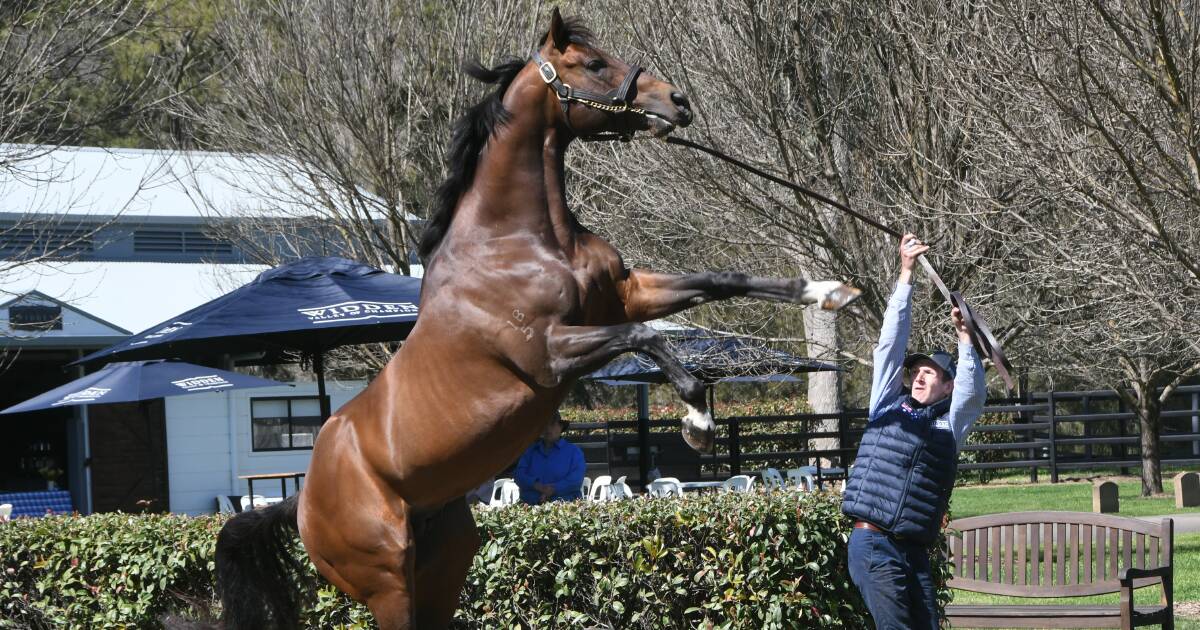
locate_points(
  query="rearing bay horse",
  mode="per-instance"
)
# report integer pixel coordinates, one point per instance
(518, 301)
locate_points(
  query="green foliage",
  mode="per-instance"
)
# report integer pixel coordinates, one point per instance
(103, 571)
(113, 66)
(727, 561)
(755, 560)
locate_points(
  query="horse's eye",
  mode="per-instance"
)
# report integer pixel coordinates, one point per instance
(596, 65)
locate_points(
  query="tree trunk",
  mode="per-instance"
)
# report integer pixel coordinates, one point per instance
(1141, 395)
(824, 388)
(1150, 425)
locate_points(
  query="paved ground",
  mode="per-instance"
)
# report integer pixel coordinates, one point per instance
(1184, 523)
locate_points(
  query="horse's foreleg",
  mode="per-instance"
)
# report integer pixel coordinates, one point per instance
(650, 295)
(579, 350)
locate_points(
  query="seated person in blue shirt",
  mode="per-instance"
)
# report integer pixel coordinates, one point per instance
(552, 469)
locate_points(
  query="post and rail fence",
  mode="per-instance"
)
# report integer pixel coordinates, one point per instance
(1051, 432)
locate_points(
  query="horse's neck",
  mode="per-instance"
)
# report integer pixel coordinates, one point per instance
(526, 157)
(562, 222)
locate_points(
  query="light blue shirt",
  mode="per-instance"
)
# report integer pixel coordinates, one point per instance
(561, 466)
(970, 391)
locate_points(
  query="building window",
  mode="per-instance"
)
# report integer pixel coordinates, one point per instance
(24, 243)
(35, 317)
(284, 424)
(166, 241)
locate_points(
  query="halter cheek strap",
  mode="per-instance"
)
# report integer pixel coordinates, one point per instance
(616, 101)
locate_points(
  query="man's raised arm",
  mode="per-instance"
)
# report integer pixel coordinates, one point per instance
(970, 390)
(887, 379)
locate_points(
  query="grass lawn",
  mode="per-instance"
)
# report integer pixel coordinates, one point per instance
(1077, 497)
(1072, 497)
(1009, 476)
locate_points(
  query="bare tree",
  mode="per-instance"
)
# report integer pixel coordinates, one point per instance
(48, 66)
(1046, 149)
(1095, 104)
(54, 88)
(53, 85)
(843, 98)
(349, 105)
(341, 112)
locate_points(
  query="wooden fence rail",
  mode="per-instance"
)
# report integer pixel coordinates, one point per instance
(1045, 431)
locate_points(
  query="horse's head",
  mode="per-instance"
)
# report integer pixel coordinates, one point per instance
(600, 94)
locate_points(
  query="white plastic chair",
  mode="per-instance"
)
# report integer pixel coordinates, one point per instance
(738, 483)
(224, 505)
(5, 512)
(803, 478)
(497, 487)
(620, 490)
(504, 492)
(601, 489)
(585, 487)
(828, 471)
(259, 501)
(665, 487)
(772, 480)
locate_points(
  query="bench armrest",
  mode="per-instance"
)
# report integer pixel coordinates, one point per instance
(1129, 574)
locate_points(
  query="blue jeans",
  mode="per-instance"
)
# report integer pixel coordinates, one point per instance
(895, 581)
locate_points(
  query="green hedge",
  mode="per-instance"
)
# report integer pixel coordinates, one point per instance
(756, 560)
(104, 571)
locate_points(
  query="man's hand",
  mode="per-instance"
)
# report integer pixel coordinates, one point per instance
(910, 249)
(960, 325)
(546, 490)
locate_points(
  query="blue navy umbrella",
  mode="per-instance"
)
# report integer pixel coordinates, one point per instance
(712, 359)
(311, 305)
(139, 380)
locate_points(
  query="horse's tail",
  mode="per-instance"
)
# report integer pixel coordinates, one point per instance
(256, 571)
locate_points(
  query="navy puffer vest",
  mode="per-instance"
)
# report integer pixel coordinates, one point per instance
(904, 473)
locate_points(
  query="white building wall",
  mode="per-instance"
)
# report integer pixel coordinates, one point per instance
(203, 461)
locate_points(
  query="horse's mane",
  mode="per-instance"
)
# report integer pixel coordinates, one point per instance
(470, 134)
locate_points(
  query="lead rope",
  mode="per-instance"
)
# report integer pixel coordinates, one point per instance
(981, 335)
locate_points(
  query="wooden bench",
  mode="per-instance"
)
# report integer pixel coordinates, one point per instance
(1060, 554)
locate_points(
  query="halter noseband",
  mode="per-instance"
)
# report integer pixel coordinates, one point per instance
(616, 101)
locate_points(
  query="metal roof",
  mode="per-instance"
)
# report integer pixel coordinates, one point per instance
(141, 183)
(131, 295)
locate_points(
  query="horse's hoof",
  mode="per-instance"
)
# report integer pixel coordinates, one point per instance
(836, 296)
(699, 430)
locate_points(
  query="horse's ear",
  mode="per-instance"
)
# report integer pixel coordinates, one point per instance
(558, 36)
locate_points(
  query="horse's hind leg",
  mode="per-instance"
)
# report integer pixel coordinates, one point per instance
(379, 575)
(364, 545)
(446, 543)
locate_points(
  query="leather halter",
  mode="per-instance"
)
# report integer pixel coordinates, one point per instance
(615, 101)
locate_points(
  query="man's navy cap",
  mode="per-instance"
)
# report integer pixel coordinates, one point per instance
(940, 358)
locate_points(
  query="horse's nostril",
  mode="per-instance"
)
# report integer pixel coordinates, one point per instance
(680, 100)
